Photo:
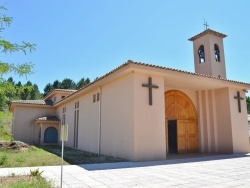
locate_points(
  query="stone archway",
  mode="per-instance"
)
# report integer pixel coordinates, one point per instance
(180, 108)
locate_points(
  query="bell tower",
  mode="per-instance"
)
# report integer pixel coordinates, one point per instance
(209, 56)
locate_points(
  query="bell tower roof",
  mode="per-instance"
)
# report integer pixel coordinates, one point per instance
(207, 31)
(209, 58)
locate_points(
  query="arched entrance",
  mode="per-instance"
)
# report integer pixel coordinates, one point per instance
(51, 135)
(181, 123)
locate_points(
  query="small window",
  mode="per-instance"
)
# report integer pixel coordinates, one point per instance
(94, 97)
(63, 97)
(98, 97)
(77, 105)
(201, 53)
(216, 52)
(64, 109)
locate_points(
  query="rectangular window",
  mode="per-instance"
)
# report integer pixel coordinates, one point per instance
(64, 109)
(98, 97)
(63, 119)
(77, 105)
(63, 116)
(94, 98)
(76, 123)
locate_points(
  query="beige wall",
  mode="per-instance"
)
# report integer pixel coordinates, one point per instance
(43, 126)
(69, 119)
(210, 66)
(24, 127)
(239, 123)
(213, 109)
(222, 128)
(207, 121)
(88, 123)
(88, 126)
(149, 120)
(117, 118)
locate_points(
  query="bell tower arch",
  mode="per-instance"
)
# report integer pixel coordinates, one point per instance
(209, 58)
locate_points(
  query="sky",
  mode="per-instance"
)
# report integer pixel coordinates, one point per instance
(88, 38)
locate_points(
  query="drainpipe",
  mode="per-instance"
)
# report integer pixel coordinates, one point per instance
(100, 121)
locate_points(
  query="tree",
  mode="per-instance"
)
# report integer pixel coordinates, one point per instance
(68, 84)
(82, 82)
(5, 126)
(22, 69)
(35, 93)
(248, 104)
(48, 88)
(65, 84)
(56, 84)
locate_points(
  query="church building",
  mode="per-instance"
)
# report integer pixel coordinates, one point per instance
(143, 112)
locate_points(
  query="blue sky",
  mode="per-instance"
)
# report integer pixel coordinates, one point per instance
(88, 38)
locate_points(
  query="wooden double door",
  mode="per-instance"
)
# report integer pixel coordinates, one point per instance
(182, 136)
(181, 123)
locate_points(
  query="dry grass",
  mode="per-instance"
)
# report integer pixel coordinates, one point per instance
(49, 156)
(73, 156)
(29, 157)
(24, 182)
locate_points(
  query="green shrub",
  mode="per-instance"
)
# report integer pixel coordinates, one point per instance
(36, 173)
(3, 159)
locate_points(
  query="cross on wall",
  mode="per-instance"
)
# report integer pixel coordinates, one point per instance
(238, 97)
(150, 87)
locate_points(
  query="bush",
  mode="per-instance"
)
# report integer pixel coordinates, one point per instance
(3, 159)
(36, 173)
(5, 126)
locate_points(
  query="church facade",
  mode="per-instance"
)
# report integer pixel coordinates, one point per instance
(144, 112)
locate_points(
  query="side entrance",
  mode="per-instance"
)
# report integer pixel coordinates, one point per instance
(181, 123)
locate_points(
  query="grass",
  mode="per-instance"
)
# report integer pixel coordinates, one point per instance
(34, 156)
(74, 156)
(49, 156)
(24, 182)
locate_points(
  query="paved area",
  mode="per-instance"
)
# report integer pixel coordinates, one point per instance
(212, 171)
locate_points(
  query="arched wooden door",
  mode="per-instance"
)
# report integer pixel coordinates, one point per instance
(179, 107)
(51, 135)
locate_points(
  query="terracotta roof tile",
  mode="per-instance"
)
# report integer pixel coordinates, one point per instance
(148, 65)
(64, 90)
(36, 102)
(208, 31)
(48, 118)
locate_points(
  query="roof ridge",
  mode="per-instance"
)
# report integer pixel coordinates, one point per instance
(207, 31)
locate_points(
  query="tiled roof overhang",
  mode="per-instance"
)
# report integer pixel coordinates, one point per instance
(207, 31)
(48, 118)
(150, 66)
(34, 102)
(59, 90)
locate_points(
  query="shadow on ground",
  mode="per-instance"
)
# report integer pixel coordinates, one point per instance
(75, 157)
(172, 159)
